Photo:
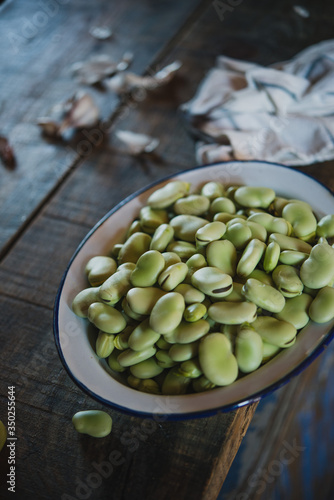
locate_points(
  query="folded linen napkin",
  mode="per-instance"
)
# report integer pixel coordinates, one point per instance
(282, 113)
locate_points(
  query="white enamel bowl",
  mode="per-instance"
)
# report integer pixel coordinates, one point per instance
(73, 335)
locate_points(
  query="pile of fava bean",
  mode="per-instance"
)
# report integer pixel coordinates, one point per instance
(207, 287)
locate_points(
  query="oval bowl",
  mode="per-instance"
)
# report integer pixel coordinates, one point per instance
(73, 335)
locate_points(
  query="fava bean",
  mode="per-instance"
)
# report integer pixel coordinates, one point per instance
(212, 281)
(271, 257)
(95, 423)
(322, 306)
(186, 226)
(264, 296)
(302, 220)
(210, 232)
(121, 341)
(216, 359)
(113, 362)
(164, 360)
(251, 257)
(117, 285)
(183, 352)
(232, 313)
(212, 190)
(274, 331)
(142, 300)
(191, 368)
(134, 247)
(168, 194)
(201, 384)
(194, 312)
(189, 332)
(106, 318)
(148, 368)
(287, 281)
(104, 344)
(84, 299)
(167, 313)
(239, 234)
(130, 357)
(190, 293)
(271, 224)
(325, 226)
(248, 349)
(148, 268)
(99, 268)
(222, 254)
(292, 257)
(250, 196)
(222, 204)
(173, 276)
(174, 383)
(184, 249)
(318, 270)
(152, 218)
(170, 258)
(143, 337)
(193, 204)
(161, 238)
(296, 310)
(290, 243)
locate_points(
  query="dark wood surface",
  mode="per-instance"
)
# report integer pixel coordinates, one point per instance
(56, 194)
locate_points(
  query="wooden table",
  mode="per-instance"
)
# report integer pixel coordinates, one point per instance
(58, 191)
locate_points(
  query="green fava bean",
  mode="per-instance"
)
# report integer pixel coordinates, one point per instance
(239, 234)
(164, 360)
(129, 312)
(212, 281)
(149, 386)
(251, 257)
(194, 204)
(222, 254)
(134, 228)
(99, 268)
(148, 368)
(302, 220)
(161, 343)
(257, 197)
(212, 190)
(292, 257)
(271, 256)
(183, 352)
(184, 249)
(141, 300)
(106, 318)
(121, 341)
(186, 226)
(173, 276)
(258, 231)
(189, 332)
(151, 218)
(290, 243)
(130, 357)
(116, 249)
(170, 258)
(236, 294)
(190, 368)
(222, 204)
(194, 312)
(322, 307)
(232, 313)
(226, 217)
(104, 344)
(201, 384)
(296, 310)
(248, 350)
(117, 285)
(262, 276)
(95, 423)
(148, 268)
(174, 383)
(325, 226)
(84, 299)
(113, 363)
(195, 262)
(217, 361)
(167, 313)
(271, 224)
(134, 247)
(161, 238)
(318, 270)
(269, 351)
(210, 232)
(190, 294)
(264, 296)
(143, 337)
(286, 279)
(168, 194)
(274, 331)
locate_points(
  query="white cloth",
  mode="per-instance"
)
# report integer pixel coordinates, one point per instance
(282, 113)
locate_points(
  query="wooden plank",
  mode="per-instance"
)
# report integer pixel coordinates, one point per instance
(41, 42)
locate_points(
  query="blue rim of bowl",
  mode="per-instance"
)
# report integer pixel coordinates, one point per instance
(253, 398)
